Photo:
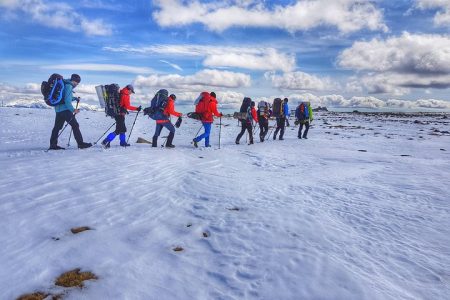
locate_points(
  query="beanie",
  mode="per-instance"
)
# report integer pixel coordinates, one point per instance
(75, 77)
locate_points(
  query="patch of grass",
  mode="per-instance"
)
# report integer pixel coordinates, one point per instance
(76, 230)
(33, 296)
(74, 278)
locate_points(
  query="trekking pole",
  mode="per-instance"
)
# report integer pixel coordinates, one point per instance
(105, 133)
(270, 133)
(70, 135)
(198, 130)
(220, 128)
(132, 127)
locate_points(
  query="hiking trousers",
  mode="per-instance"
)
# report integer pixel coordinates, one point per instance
(263, 128)
(60, 118)
(246, 126)
(280, 127)
(120, 124)
(206, 134)
(305, 134)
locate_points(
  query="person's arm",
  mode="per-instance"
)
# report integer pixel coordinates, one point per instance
(125, 102)
(214, 109)
(310, 113)
(254, 115)
(171, 109)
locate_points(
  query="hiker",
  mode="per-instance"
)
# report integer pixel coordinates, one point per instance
(120, 118)
(247, 123)
(280, 117)
(165, 122)
(263, 119)
(304, 116)
(65, 112)
(286, 111)
(207, 119)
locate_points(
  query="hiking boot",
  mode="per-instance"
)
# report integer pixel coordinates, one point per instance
(106, 144)
(281, 139)
(84, 145)
(208, 146)
(299, 137)
(125, 145)
(170, 146)
(195, 143)
(274, 137)
(305, 137)
(237, 142)
(56, 147)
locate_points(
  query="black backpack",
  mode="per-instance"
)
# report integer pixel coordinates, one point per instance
(112, 100)
(157, 105)
(277, 108)
(246, 103)
(53, 90)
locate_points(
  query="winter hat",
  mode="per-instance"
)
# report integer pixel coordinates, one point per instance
(130, 87)
(212, 94)
(75, 77)
(252, 103)
(173, 97)
(286, 100)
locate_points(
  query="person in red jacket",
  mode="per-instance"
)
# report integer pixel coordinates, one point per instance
(207, 120)
(165, 122)
(120, 119)
(247, 124)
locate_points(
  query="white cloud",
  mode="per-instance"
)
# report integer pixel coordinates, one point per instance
(199, 81)
(101, 68)
(398, 64)
(442, 17)
(175, 66)
(299, 81)
(57, 15)
(253, 58)
(346, 15)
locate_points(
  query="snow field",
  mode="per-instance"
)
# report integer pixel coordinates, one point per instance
(293, 219)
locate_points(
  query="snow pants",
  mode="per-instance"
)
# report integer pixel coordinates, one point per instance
(245, 126)
(305, 134)
(280, 127)
(60, 119)
(263, 128)
(206, 134)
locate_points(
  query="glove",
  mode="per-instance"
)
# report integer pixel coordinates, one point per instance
(139, 108)
(178, 123)
(221, 115)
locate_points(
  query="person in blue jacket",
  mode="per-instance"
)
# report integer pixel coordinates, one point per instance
(286, 111)
(65, 112)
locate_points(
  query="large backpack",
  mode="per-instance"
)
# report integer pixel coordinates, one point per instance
(302, 112)
(263, 108)
(53, 90)
(277, 108)
(112, 100)
(202, 103)
(246, 103)
(157, 105)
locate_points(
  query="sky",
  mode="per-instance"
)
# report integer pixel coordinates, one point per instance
(342, 53)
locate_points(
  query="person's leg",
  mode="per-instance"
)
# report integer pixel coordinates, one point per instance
(277, 129)
(59, 123)
(70, 118)
(156, 135)
(282, 124)
(203, 135)
(300, 128)
(207, 133)
(243, 128)
(171, 135)
(305, 134)
(261, 129)
(250, 132)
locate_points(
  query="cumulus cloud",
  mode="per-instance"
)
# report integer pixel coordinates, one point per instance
(204, 79)
(398, 64)
(57, 15)
(346, 15)
(442, 17)
(101, 68)
(253, 58)
(299, 81)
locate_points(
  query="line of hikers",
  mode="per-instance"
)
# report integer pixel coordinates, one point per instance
(58, 92)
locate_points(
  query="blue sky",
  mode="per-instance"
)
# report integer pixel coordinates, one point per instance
(343, 53)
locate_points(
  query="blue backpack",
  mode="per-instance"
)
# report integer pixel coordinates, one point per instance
(53, 90)
(157, 105)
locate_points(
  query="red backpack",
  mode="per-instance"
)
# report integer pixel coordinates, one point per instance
(202, 103)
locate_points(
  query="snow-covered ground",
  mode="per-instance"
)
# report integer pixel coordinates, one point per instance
(360, 210)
